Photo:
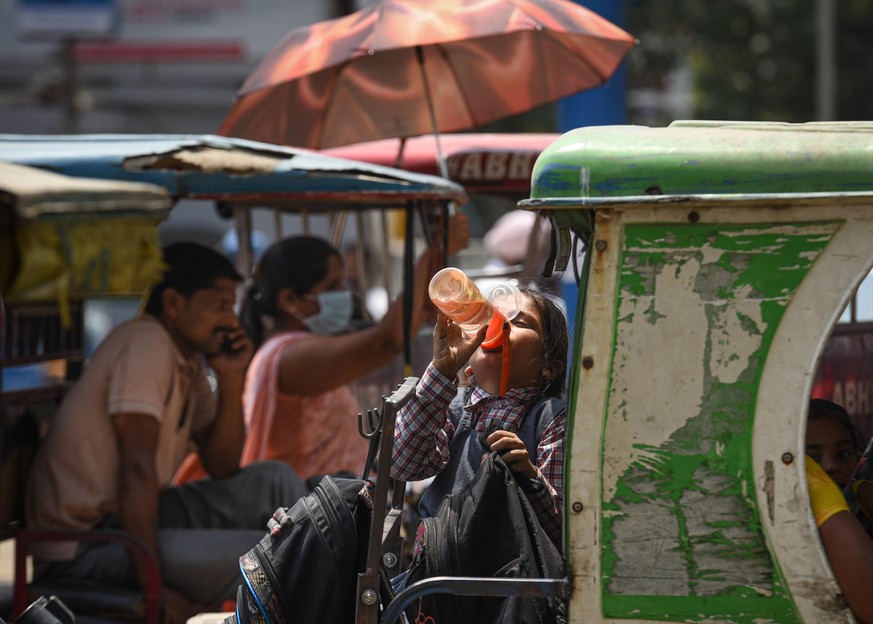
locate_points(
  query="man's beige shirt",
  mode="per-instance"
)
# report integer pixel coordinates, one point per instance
(137, 369)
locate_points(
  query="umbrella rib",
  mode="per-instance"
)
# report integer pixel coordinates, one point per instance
(581, 56)
(550, 34)
(322, 120)
(461, 91)
(441, 161)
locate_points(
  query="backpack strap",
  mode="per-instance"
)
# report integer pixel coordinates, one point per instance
(534, 423)
(537, 419)
(461, 398)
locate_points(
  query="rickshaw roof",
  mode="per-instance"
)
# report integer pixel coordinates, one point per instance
(229, 169)
(482, 162)
(34, 193)
(608, 164)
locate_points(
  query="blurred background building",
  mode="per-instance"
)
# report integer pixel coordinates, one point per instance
(174, 65)
(164, 66)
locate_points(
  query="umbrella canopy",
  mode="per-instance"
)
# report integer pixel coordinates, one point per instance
(409, 67)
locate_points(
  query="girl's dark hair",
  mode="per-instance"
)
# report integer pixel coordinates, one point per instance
(298, 263)
(822, 409)
(556, 337)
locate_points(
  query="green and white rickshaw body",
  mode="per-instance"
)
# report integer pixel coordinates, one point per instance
(719, 256)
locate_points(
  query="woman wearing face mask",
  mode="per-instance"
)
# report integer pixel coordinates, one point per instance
(297, 405)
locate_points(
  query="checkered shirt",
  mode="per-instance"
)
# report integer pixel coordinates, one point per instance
(423, 431)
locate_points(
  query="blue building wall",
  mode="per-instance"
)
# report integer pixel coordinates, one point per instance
(603, 106)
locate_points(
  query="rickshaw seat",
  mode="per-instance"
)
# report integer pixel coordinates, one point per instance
(88, 600)
(35, 333)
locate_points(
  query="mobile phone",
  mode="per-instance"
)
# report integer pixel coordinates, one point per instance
(227, 346)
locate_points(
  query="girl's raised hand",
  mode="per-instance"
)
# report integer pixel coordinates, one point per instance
(452, 347)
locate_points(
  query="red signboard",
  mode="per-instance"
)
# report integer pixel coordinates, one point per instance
(845, 374)
(498, 168)
(481, 162)
(157, 51)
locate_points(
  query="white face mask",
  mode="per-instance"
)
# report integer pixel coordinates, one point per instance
(334, 314)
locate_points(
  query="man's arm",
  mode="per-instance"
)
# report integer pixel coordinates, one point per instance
(138, 485)
(138, 497)
(220, 444)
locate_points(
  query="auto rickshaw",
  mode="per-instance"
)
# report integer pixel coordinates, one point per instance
(718, 258)
(89, 220)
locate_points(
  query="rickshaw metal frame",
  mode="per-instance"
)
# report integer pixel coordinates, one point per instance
(475, 586)
(238, 174)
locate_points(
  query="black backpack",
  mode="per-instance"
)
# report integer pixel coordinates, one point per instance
(487, 530)
(304, 569)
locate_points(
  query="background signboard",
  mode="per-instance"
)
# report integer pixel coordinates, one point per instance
(845, 374)
(80, 19)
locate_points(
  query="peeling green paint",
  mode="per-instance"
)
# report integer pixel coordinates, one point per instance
(681, 529)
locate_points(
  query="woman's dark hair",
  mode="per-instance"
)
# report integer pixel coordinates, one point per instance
(822, 409)
(298, 263)
(189, 267)
(556, 337)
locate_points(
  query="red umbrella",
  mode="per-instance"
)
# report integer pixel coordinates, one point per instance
(405, 68)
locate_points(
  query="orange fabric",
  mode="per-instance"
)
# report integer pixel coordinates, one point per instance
(190, 470)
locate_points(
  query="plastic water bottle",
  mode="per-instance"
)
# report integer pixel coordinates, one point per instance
(459, 298)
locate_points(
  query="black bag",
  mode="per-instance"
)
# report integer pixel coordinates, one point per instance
(305, 569)
(487, 530)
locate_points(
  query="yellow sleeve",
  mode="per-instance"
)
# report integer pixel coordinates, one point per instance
(824, 494)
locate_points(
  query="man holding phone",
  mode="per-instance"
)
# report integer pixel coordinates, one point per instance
(142, 404)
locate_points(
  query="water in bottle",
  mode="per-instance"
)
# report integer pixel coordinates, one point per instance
(459, 298)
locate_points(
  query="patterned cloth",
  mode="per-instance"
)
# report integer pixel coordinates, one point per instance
(424, 430)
